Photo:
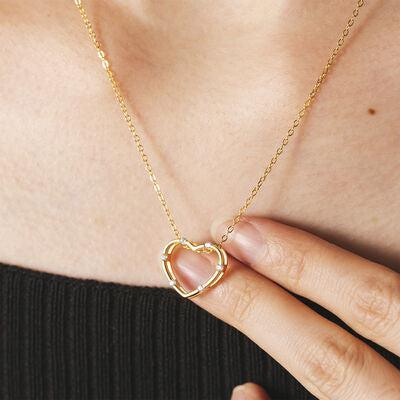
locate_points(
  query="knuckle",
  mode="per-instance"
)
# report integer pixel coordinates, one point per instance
(375, 306)
(285, 260)
(330, 365)
(241, 301)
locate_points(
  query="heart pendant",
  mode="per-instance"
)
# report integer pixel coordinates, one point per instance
(220, 267)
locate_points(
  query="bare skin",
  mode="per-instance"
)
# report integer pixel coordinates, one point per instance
(214, 86)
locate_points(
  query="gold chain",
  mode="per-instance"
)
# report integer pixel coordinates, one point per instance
(274, 159)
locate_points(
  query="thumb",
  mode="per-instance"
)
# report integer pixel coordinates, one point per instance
(249, 391)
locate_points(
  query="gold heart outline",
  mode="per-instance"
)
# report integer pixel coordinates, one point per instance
(220, 268)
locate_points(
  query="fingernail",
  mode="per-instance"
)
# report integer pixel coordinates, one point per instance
(192, 269)
(239, 393)
(246, 240)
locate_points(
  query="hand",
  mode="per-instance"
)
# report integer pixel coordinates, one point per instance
(268, 257)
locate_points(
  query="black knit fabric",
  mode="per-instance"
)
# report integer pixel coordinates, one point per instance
(63, 338)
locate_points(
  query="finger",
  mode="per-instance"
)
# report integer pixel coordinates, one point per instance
(325, 358)
(249, 391)
(362, 293)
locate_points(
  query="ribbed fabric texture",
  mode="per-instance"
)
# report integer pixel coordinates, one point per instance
(63, 338)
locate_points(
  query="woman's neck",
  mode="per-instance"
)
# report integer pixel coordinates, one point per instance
(207, 31)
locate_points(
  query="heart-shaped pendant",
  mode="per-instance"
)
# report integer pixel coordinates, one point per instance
(220, 267)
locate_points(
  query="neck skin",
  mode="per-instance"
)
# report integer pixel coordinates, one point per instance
(214, 86)
(206, 33)
(194, 52)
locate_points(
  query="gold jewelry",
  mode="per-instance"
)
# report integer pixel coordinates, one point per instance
(222, 264)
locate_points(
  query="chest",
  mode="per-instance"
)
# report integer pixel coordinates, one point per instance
(75, 198)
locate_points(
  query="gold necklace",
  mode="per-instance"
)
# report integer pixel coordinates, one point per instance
(221, 266)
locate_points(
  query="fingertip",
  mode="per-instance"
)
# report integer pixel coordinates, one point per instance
(219, 227)
(249, 391)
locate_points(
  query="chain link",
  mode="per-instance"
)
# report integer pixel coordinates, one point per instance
(285, 141)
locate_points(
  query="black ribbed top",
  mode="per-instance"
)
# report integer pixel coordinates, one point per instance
(63, 338)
